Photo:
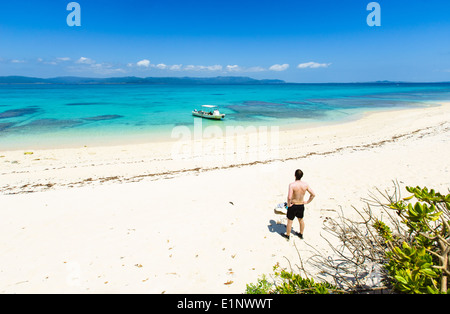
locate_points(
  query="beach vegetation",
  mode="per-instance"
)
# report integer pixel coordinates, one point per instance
(418, 261)
(262, 286)
(288, 282)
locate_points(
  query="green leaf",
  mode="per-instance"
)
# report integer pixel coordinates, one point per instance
(428, 272)
(435, 216)
(401, 279)
(408, 198)
(418, 208)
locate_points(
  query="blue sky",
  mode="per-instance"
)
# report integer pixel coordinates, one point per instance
(293, 40)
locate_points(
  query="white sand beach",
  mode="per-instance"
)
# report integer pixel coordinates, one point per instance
(138, 218)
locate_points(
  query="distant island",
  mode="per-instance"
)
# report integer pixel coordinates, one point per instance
(219, 80)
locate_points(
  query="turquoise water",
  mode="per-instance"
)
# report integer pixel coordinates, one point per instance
(73, 115)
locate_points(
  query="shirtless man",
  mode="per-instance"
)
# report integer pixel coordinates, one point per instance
(296, 203)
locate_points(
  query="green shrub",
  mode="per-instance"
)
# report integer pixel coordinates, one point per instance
(417, 261)
(261, 287)
(290, 283)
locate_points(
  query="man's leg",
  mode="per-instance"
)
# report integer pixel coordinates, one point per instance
(302, 225)
(289, 227)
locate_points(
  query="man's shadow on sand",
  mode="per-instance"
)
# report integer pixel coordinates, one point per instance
(276, 227)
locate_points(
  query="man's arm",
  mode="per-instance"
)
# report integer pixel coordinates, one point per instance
(311, 195)
(289, 198)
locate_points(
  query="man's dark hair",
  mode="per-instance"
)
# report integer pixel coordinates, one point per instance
(298, 174)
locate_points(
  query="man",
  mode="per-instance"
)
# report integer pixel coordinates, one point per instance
(296, 203)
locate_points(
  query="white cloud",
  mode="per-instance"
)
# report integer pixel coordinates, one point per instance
(106, 68)
(203, 68)
(162, 66)
(233, 68)
(175, 67)
(237, 68)
(255, 69)
(313, 65)
(216, 67)
(191, 68)
(84, 60)
(143, 63)
(87, 65)
(97, 68)
(17, 61)
(279, 67)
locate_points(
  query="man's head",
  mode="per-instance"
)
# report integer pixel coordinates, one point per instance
(298, 174)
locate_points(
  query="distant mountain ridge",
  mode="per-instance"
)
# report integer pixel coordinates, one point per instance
(218, 80)
(138, 80)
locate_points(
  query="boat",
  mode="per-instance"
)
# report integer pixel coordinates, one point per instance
(209, 112)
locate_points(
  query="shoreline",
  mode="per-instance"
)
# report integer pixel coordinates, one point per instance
(48, 168)
(133, 219)
(111, 138)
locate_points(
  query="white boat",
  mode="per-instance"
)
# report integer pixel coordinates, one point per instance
(209, 112)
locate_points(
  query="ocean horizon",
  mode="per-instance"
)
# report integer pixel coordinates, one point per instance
(71, 115)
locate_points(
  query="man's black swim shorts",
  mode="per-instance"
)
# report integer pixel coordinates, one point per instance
(295, 211)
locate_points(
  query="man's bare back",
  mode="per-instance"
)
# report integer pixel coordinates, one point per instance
(297, 191)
